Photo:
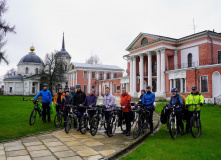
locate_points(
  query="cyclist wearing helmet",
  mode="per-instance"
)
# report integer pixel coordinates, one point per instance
(46, 102)
(58, 98)
(148, 100)
(141, 96)
(193, 98)
(91, 101)
(72, 88)
(66, 100)
(176, 99)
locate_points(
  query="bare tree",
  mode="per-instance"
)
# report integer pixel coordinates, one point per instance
(94, 59)
(4, 29)
(54, 70)
(10, 72)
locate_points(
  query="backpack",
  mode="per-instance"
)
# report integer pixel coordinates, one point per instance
(164, 114)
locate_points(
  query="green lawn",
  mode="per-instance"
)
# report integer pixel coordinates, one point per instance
(14, 118)
(161, 146)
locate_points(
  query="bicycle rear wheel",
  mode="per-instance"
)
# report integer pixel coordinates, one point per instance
(173, 127)
(58, 120)
(195, 127)
(32, 117)
(83, 124)
(68, 124)
(111, 125)
(94, 125)
(123, 125)
(137, 129)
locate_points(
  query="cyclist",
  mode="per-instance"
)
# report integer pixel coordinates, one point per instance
(91, 101)
(148, 100)
(193, 98)
(108, 103)
(66, 100)
(177, 99)
(58, 98)
(141, 96)
(46, 102)
(78, 100)
(126, 106)
(72, 88)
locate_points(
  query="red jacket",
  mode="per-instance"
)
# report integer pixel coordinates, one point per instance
(125, 101)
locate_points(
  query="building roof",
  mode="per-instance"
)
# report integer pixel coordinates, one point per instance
(15, 77)
(97, 66)
(63, 50)
(31, 57)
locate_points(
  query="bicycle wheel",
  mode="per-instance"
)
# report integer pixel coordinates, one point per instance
(68, 124)
(94, 125)
(195, 127)
(123, 125)
(58, 120)
(111, 125)
(83, 124)
(32, 117)
(40, 112)
(173, 127)
(137, 129)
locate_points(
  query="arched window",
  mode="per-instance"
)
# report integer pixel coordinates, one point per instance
(144, 41)
(190, 60)
(36, 70)
(26, 70)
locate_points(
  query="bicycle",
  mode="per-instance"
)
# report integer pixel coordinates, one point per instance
(36, 109)
(83, 126)
(97, 119)
(58, 118)
(142, 122)
(195, 123)
(72, 116)
(173, 128)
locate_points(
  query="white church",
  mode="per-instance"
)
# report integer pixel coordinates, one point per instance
(29, 69)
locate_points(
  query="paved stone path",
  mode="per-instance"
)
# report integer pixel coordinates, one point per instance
(72, 146)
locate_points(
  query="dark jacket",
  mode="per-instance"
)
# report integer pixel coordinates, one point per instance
(90, 100)
(140, 99)
(148, 99)
(176, 100)
(66, 100)
(79, 98)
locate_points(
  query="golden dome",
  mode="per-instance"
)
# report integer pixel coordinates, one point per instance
(32, 48)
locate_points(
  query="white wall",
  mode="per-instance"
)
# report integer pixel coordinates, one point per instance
(185, 52)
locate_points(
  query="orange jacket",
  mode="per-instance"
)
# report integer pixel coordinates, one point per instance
(184, 100)
(56, 96)
(125, 101)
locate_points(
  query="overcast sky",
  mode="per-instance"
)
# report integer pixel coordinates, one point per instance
(104, 27)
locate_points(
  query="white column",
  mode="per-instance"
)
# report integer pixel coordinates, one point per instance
(185, 85)
(111, 91)
(171, 84)
(131, 74)
(141, 72)
(149, 69)
(73, 79)
(99, 89)
(89, 81)
(134, 77)
(175, 59)
(112, 75)
(162, 71)
(97, 75)
(76, 77)
(127, 87)
(105, 75)
(181, 85)
(174, 83)
(158, 71)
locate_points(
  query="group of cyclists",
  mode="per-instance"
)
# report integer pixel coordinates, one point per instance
(76, 97)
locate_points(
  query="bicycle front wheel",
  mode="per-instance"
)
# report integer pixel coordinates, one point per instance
(83, 124)
(173, 127)
(111, 125)
(58, 120)
(195, 127)
(68, 124)
(94, 125)
(137, 129)
(32, 117)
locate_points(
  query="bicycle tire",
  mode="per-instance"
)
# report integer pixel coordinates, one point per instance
(58, 120)
(195, 127)
(123, 125)
(137, 130)
(173, 127)
(68, 124)
(111, 125)
(94, 125)
(83, 124)
(32, 117)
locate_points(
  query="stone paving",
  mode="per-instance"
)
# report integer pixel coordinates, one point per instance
(72, 146)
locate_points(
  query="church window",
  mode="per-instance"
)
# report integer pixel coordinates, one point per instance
(144, 41)
(190, 60)
(36, 70)
(26, 70)
(219, 56)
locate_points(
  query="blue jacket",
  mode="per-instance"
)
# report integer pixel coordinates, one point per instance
(90, 100)
(72, 94)
(148, 99)
(176, 100)
(45, 94)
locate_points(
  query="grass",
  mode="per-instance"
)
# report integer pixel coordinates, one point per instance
(14, 118)
(161, 146)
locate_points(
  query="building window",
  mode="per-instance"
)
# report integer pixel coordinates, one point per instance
(66, 67)
(36, 70)
(10, 90)
(108, 75)
(178, 84)
(93, 87)
(101, 76)
(144, 41)
(184, 89)
(26, 70)
(190, 60)
(85, 74)
(154, 86)
(219, 56)
(115, 88)
(204, 84)
(93, 75)
(85, 89)
(154, 67)
(115, 75)
(33, 87)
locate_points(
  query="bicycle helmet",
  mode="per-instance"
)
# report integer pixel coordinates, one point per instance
(59, 88)
(194, 88)
(143, 90)
(45, 85)
(174, 90)
(148, 87)
(78, 86)
(72, 87)
(66, 90)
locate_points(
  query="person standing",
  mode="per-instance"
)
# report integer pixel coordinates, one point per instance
(91, 101)
(46, 102)
(126, 106)
(148, 100)
(141, 96)
(58, 98)
(72, 88)
(66, 100)
(193, 98)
